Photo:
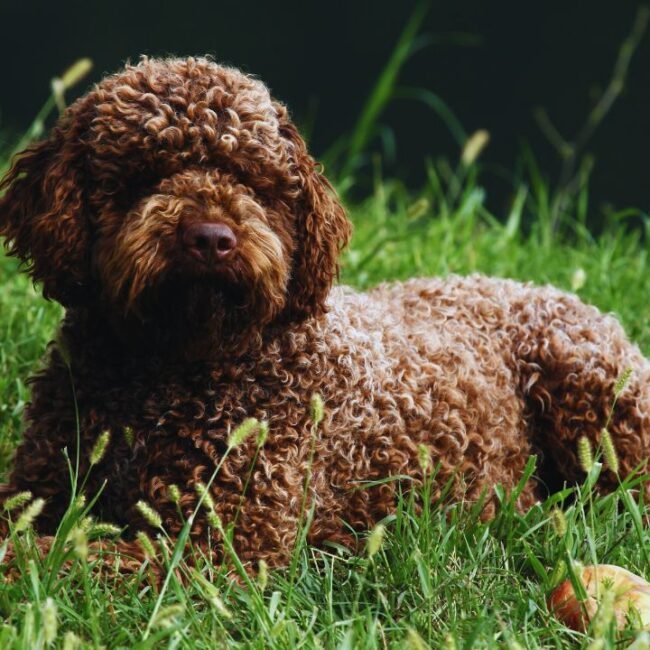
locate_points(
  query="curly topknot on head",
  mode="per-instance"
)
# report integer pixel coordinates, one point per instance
(98, 210)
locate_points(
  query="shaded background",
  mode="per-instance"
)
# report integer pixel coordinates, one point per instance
(492, 62)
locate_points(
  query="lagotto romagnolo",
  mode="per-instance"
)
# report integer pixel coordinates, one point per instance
(175, 212)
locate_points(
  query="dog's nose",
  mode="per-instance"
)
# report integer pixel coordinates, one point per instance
(209, 241)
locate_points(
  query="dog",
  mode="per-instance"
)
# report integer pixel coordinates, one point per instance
(176, 214)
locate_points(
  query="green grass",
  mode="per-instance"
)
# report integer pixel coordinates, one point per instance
(441, 578)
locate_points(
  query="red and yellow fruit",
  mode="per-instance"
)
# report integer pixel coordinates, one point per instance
(631, 597)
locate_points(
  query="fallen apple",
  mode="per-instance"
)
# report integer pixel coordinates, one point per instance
(631, 597)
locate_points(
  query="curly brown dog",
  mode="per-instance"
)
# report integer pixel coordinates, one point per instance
(176, 214)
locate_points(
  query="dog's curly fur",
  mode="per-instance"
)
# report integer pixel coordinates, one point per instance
(481, 372)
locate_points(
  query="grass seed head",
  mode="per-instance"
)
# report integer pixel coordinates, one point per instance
(28, 626)
(86, 523)
(578, 279)
(414, 640)
(58, 93)
(559, 573)
(99, 449)
(76, 72)
(316, 409)
(28, 515)
(474, 146)
(146, 544)
(201, 580)
(166, 615)
(49, 621)
(79, 540)
(174, 494)
(585, 454)
(214, 520)
(245, 429)
(418, 208)
(609, 451)
(262, 575)
(558, 519)
(375, 539)
(71, 641)
(513, 644)
(220, 606)
(17, 501)
(205, 495)
(424, 458)
(622, 382)
(103, 529)
(129, 436)
(449, 643)
(150, 515)
(163, 545)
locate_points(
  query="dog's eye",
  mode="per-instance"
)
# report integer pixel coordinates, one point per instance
(129, 197)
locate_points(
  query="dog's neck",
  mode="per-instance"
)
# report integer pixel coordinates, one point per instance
(164, 340)
(116, 339)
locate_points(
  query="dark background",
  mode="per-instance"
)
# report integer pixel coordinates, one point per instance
(492, 62)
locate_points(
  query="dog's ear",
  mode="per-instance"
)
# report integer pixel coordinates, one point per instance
(322, 228)
(42, 215)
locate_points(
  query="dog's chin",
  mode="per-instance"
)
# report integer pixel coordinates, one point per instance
(182, 310)
(196, 299)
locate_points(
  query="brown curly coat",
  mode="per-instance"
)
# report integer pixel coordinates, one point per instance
(482, 372)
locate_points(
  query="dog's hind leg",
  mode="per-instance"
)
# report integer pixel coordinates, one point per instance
(570, 358)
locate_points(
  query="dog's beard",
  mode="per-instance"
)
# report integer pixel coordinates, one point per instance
(200, 315)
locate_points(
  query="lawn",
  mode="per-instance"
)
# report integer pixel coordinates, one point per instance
(438, 578)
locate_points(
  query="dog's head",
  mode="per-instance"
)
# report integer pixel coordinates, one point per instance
(181, 183)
